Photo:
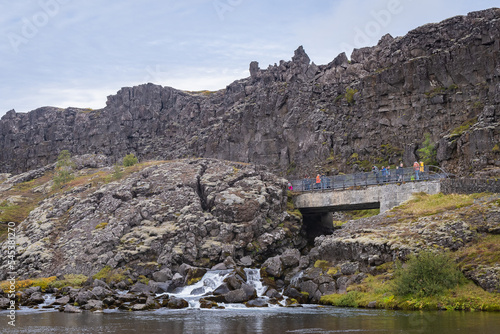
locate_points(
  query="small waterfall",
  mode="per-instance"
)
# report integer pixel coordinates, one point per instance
(296, 278)
(211, 281)
(208, 283)
(254, 279)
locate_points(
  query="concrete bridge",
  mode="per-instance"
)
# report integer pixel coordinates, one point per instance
(317, 206)
(384, 197)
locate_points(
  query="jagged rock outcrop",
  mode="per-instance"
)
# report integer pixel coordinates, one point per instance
(297, 116)
(197, 211)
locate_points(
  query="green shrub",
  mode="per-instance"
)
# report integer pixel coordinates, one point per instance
(130, 160)
(427, 152)
(427, 274)
(64, 169)
(117, 172)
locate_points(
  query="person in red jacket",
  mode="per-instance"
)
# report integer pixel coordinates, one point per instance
(416, 168)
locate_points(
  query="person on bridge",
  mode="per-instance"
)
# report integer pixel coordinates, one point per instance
(306, 182)
(422, 170)
(416, 168)
(318, 181)
(328, 182)
(388, 173)
(376, 172)
(400, 173)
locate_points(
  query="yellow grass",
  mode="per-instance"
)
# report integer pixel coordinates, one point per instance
(424, 205)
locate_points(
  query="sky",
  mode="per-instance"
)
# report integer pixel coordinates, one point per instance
(74, 53)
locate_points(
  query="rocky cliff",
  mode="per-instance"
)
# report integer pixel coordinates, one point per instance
(158, 215)
(298, 117)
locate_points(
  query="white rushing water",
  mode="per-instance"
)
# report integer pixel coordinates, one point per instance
(211, 281)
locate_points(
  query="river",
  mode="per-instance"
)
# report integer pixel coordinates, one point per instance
(239, 319)
(309, 320)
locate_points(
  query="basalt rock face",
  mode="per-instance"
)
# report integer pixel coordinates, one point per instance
(196, 212)
(442, 79)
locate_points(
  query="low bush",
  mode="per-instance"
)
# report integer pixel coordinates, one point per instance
(130, 160)
(427, 274)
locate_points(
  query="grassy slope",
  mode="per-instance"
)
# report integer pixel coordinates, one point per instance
(29, 198)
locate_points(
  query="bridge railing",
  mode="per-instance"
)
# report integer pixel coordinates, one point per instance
(369, 179)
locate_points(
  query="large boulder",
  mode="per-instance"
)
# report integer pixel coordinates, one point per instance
(194, 274)
(93, 305)
(221, 289)
(84, 296)
(141, 288)
(177, 303)
(101, 292)
(36, 298)
(237, 296)
(273, 266)
(163, 275)
(71, 309)
(290, 258)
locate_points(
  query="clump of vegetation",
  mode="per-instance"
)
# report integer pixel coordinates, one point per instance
(478, 105)
(427, 152)
(110, 275)
(64, 169)
(427, 274)
(323, 264)
(73, 280)
(380, 289)
(349, 95)
(358, 214)
(441, 90)
(44, 283)
(101, 226)
(130, 160)
(482, 252)
(458, 131)
(117, 172)
(290, 207)
(16, 213)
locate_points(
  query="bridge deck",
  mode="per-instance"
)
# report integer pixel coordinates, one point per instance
(351, 181)
(385, 197)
